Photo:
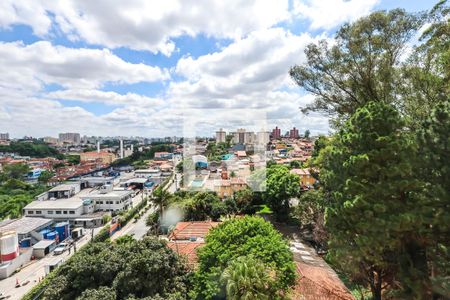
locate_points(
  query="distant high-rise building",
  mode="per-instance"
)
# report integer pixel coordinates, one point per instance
(4, 136)
(241, 136)
(293, 133)
(263, 137)
(70, 137)
(220, 136)
(276, 133)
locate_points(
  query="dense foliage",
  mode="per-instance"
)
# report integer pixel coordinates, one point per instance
(235, 238)
(281, 187)
(384, 175)
(14, 192)
(144, 155)
(125, 270)
(33, 148)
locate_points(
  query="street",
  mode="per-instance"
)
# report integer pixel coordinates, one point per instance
(35, 270)
(30, 275)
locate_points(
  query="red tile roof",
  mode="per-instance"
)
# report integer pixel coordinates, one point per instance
(186, 249)
(186, 230)
(316, 283)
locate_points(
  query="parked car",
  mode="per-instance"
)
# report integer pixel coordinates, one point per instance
(60, 248)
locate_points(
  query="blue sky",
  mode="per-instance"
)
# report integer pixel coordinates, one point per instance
(136, 68)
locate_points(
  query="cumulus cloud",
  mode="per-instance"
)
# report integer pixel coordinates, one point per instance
(251, 72)
(327, 14)
(254, 65)
(41, 62)
(145, 25)
(105, 97)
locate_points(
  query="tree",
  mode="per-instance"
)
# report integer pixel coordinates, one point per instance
(248, 236)
(310, 212)
(307, 133)
(101, 293)
(295, 164)
(161, 198)
(16, 171)
(368, 172)
(199, 207)
(248, 278)
(128, 269)
(281, 187)
(244, 200)
(434, 169)
(45, 176)
(361, 67)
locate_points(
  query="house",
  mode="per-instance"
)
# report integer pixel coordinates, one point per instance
(188, 250)
(192, 231)
(223, 188)
(306, 179)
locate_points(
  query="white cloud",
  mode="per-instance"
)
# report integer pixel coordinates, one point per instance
(327, 14)
(27, 67)
(255, 65)
(30, 13)
(106, 97)
(145, 25)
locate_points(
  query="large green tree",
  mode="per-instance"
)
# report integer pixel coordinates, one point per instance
(281, 187)
(373, 215)
(433, 168)
(131, 269)
(234, 238)
(361, 66)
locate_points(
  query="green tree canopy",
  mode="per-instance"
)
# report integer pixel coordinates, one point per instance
(281, 187)
(374, 214)
(242, 237)
(131, 269)
(362, 64)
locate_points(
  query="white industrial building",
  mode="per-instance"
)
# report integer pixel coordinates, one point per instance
(113, 200)
(61, 191)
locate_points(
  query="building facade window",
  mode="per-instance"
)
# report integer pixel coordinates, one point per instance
(58, 212)
(50, 212)
(30, 212)
(38, 212)
(72, 212)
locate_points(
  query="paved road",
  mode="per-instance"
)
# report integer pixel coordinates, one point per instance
(137, 229)
(35, 270)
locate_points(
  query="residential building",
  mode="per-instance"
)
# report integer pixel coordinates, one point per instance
(263, 137)
(241, 136)
(105, 157)
(226, 187)
(276, 133)
(4, 136)
(220, 136)
(193, 231)
(70, 137)
(306, 179)
(293, 133)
